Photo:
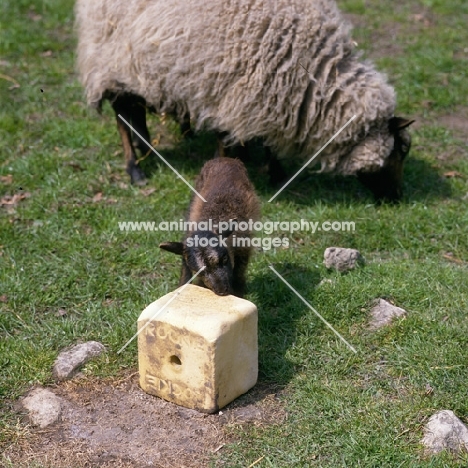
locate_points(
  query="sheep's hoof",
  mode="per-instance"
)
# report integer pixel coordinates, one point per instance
(140, 182)
(137, 176)
(187, 133)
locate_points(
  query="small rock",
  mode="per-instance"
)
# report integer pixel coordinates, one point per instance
(383, 313)
(444, 431)
(342, 259)
(43, 406)
(324, 282)
(68, 362)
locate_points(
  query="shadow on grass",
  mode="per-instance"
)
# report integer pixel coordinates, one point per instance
(187, 155)
(279, 313)
(421, 180)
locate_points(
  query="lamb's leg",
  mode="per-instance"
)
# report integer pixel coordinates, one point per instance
(125, 106)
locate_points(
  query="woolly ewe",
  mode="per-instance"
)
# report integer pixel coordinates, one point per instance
(282, 70)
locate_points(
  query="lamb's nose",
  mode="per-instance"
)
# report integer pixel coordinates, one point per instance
(222, 292)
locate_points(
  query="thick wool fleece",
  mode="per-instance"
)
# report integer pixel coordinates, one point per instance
(282, 70)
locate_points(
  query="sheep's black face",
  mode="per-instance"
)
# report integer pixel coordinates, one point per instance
(205, 248)
(386, 184)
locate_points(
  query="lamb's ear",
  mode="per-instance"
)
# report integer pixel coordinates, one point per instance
(174, 247)
(395, 124)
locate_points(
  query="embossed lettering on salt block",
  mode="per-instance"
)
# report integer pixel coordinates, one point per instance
(201, 351)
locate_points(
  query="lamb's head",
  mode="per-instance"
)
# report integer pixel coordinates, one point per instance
(386, 182)
(210, 250)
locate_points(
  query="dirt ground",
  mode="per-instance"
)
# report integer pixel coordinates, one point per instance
(116, 424)
(113, 423)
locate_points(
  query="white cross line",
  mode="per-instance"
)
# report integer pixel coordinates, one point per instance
(312, 309)
(160, 310)
(312, 158)
(151, 147)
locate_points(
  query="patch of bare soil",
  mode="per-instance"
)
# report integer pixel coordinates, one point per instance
(382, 41)
(116, 424)
(456, 122)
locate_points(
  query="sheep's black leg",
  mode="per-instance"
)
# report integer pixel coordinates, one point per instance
(138, 110)
(237, 151)
(221, 150)
(129, 108)
(242, 152)
(185, 127)
(276, 171)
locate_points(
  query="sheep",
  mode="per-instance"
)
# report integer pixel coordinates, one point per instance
(284, 71)
(230, 200)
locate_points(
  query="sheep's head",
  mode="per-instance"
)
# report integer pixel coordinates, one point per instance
(386, 182)
(210, 250)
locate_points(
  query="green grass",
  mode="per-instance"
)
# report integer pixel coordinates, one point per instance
(61, 250)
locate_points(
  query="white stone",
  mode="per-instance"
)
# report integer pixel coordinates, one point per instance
(342, 259)
(383, 313)
(69, 362)
(201, 350)
(444, 431)
(43, 406)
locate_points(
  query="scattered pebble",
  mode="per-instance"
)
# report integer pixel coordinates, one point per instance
(444, 431)
(342, 259)
(325, 281)
(68, 362)
(383, 313)
(43, 406)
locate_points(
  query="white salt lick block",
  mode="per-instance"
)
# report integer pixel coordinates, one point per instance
(201, 351)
